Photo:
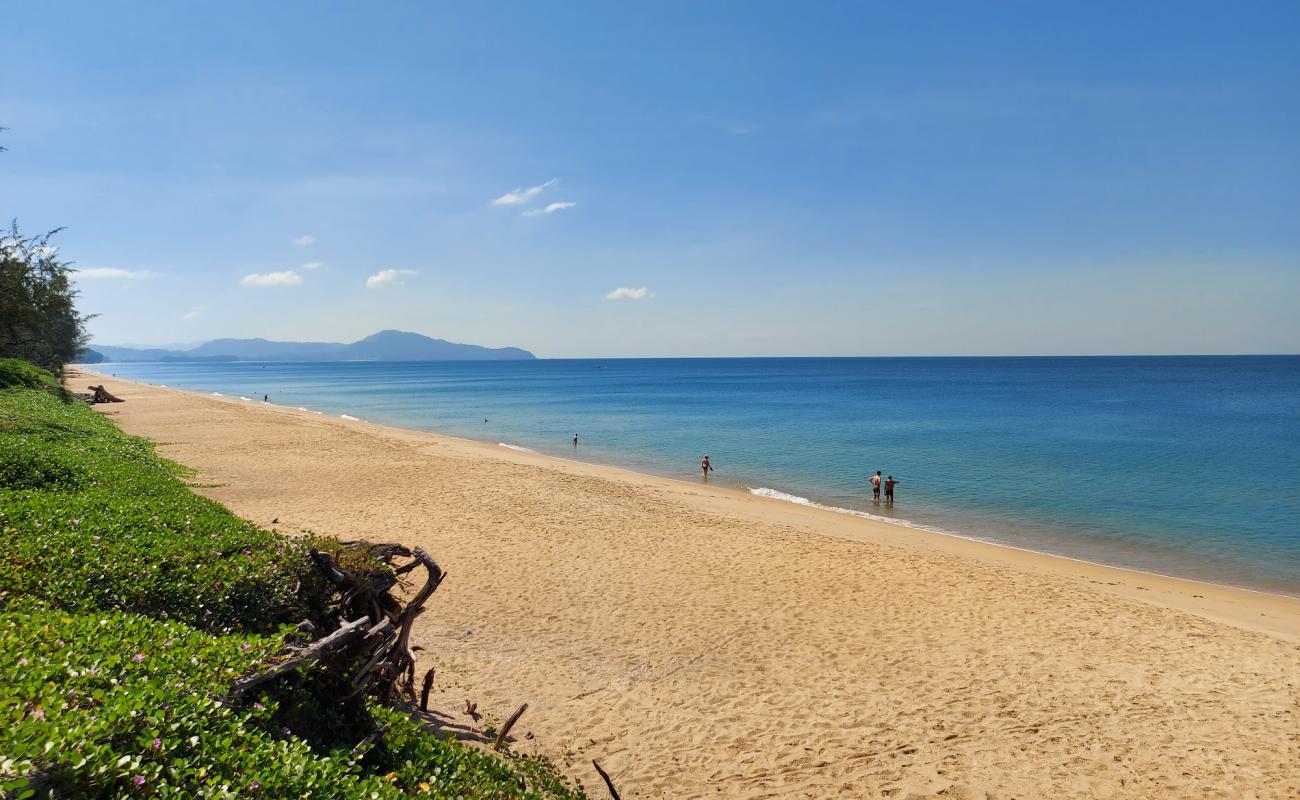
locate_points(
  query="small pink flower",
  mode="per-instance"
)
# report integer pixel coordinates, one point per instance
(139, 657)
(255, 786)
(156, 744)
(76, 522)
(138, 781)
(245, 646)
(258, 707)
(22, 662)
(286, 732)
(38, 714)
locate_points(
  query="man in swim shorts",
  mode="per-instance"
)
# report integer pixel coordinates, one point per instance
(889, 489)
(875, 486)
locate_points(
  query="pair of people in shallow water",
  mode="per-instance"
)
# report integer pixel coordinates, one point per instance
(878, 483)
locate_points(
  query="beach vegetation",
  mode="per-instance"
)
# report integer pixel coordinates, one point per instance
(129, 609)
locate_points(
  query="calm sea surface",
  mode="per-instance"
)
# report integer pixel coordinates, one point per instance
(1187, 466)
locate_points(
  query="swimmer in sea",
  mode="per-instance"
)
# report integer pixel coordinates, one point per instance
(575, 441)
(890, 483)
(706, 466)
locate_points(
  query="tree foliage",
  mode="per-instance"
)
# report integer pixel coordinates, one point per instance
(39, 321)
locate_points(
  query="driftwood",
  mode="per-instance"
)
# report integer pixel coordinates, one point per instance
(316, 653)
(102, 395)
(608, 783)
(510, 723)
(377, 635)
(424, 690)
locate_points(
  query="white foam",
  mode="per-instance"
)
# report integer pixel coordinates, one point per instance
(789, 498)
(246, 399)
(515, 447)
(349, 416)
(218, 394)
(803, 501)
(300, 408)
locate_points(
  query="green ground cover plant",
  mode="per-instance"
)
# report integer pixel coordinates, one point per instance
(129, 605)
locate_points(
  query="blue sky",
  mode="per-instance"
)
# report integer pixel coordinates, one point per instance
(780, 179)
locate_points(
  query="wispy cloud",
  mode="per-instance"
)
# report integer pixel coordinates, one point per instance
(521, 196)
(550, 209)
(387, 277)
(313, 265)
(285, 278)
(193, 313)
(628, 293)
(112, 274)
(306, 240)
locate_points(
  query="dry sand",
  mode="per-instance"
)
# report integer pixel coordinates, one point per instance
(702, 642)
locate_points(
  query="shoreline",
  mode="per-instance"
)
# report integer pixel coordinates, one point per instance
(701, 641)
(1187, 585)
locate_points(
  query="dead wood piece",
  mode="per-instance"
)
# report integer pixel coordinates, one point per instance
(510, 723)
(317, 651)
(402, 660)
(471, 709)
(384, 624)
(102, 395)
(613, 793)
(380, 654)
(424, 690)
(369, 740)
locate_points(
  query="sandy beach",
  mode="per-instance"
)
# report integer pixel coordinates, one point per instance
(704, 642)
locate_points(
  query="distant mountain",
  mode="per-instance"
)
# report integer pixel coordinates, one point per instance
(382, 346)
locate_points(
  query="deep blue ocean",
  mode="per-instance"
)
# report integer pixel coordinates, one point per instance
(1186, 466)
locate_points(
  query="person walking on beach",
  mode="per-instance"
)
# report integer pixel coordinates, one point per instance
(875, 486)
(706, 466)
(889, 489)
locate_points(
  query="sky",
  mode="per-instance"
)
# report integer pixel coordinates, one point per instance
(669, 179)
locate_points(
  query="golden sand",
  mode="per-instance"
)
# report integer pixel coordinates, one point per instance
(701, 642)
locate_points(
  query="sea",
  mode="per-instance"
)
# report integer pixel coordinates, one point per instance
(1184, 466)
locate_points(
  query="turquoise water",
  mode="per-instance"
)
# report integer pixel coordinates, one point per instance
(1187, 466)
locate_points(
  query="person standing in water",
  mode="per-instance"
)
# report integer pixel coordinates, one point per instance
(706, 467)
(575, 441)
(875, 486)
(890, 483)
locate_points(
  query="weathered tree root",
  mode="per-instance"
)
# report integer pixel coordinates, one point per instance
(609, 784)
(510, 723)
(377, 628)
(101, 395)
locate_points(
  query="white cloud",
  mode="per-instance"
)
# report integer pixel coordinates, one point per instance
(551, 209)
(520, 196)
(627, 293)
(387, 277)
(286, 278)
(192, 313)
(306, 240)
(313, 265)
(112, 274)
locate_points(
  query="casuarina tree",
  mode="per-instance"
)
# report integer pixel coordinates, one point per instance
(39, 321)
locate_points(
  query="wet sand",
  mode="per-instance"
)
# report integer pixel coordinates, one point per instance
(703, 642)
